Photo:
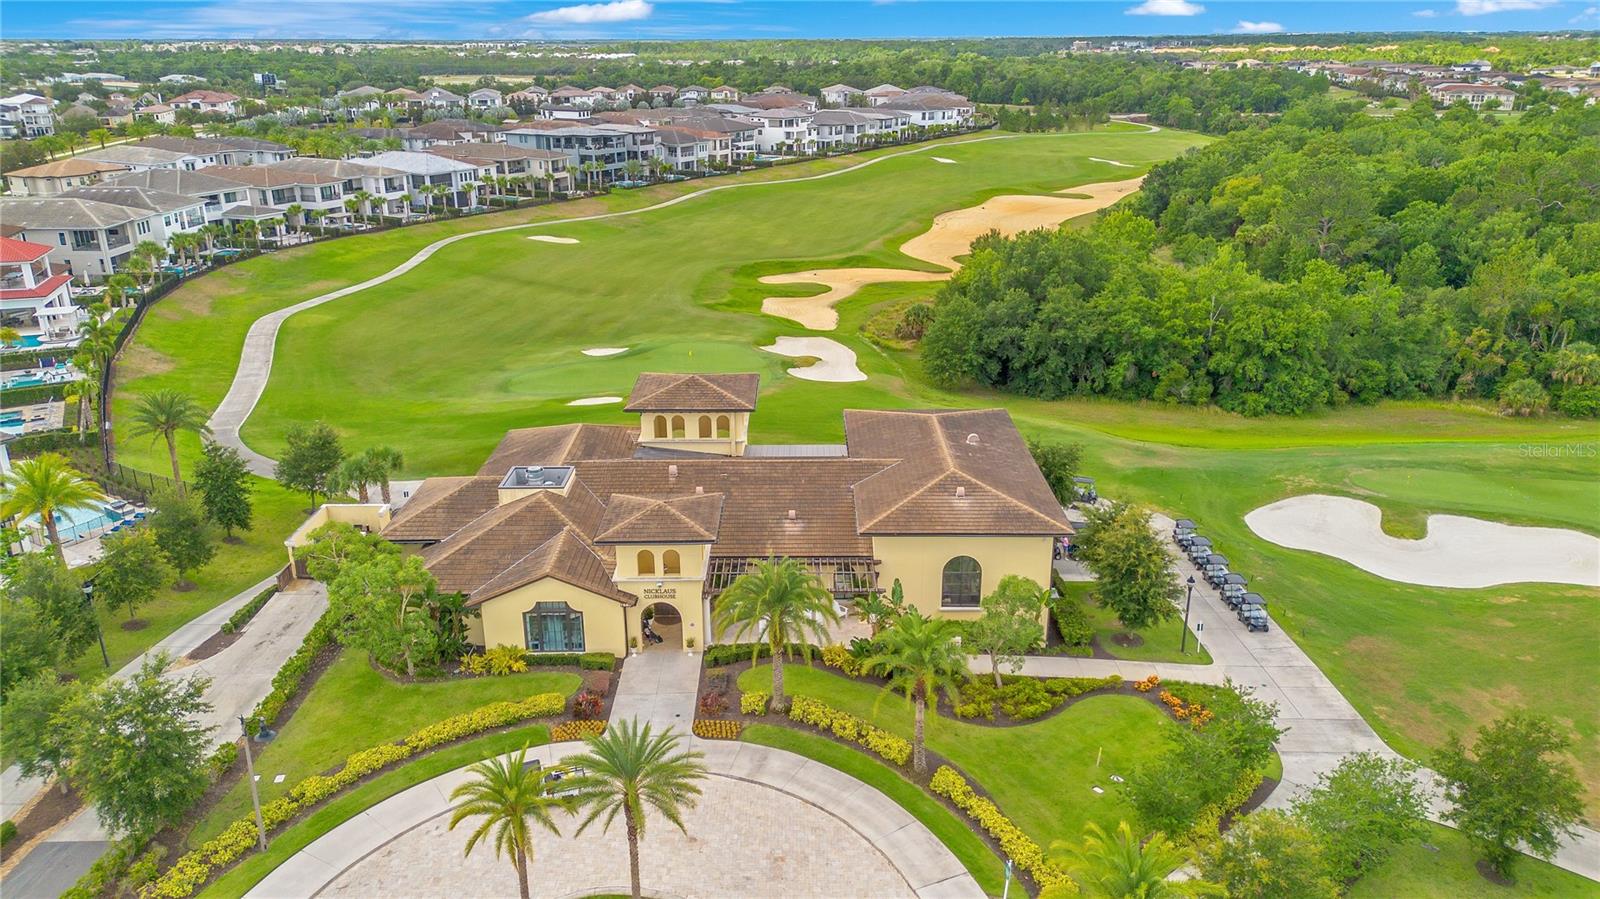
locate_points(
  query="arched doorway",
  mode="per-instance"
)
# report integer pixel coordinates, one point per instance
(665, 621)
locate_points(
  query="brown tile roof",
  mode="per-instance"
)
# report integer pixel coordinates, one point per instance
(565, 557)
(63, 168)
(269, 176)
(489, 544)
(559, 445)
(440, 507)
(967, 472)
(640, 519)
(663, 392)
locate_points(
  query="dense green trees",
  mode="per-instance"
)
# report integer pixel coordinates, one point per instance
(1134, 576)
(1333, 257)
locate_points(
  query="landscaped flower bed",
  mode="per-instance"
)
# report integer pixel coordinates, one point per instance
(576, 730)
(1013, 842)
(717, 729)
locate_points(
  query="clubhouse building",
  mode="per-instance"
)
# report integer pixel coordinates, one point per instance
(569, 536)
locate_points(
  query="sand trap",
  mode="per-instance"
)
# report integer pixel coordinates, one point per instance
(596, 401)
(835, 363)
(943, 160)
(1457, 552)
(1111, 162)
(605, 350)
(549, 238)
(951, 236)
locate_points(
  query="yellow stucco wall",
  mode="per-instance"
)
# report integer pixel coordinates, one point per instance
(919, 564)
(731, 445)
(603, 629)
(683, 591)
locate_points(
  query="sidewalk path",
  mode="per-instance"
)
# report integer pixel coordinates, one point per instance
(241, 676)
(255, 361)
(751, 772)
(1322, 726)
(658, 687)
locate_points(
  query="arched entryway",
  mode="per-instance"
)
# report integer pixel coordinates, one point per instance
(666, 622)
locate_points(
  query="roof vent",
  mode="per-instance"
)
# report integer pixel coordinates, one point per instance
(792, 515)
(672, 471)
(699, 491)
(972, 439)
(961, 491)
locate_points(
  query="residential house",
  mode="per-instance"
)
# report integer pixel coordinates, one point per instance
(486, 98)
(724, 94)
(838, 95)
(116, 116)
(688, 151)
(882, 94)
(204, 101)
(222, 150)
(569, 537)
(532, 95)
(930, 110)
(582, 145)
(457, 131)
(573, 96)
(838, 129)
(160, 113)
(25, 116)
(1477, 65)
(1475, 95)
(35, 299)
(632, 93)
(92, 230)
(565, 113)
(509, 160)
(664, 93)
(780, 100)
(275, 188)
(409, 139)
(140, 155)
(460, 180)
(785, 131)
(603, 94)
(365, 98)
(51, 178)
(440, 98)
(694, 93)
(388, 187)
(218, 194)
(169, 213)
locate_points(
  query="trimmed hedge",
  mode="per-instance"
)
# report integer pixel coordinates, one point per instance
(1013, 842)
(576, 730)
(1067, 613)
(45, 441)
(848, 727)
(192, 871)
(8, 831)
(242, 616)
(591, 661)
(728, 653)
(39, 393)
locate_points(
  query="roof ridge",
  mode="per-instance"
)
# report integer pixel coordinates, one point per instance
(631, 518)
(668, 503)
(903, 500)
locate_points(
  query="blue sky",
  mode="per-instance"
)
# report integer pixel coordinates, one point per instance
(689, 19)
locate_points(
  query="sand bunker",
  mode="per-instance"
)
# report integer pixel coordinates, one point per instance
(1124, 165)
(596, 401)
(605, 350)
(943, 160)
(952, 235)
(835, 363)
(549, 238)
(1457, 552)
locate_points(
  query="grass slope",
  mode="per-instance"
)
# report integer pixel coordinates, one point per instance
(1161, 640)
(1443, 867)
(353, 707)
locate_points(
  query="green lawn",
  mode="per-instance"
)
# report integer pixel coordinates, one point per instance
(342, 808)
(1448, 871)
(1042, 775)
(486, 337)
(353, 707)
(1161, 641)
(953, 832)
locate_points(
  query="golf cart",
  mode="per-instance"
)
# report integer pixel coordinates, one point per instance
(1232, 585)
(1184, 539)
(1249, 602)
(554, 776)
(1084, 487)
(1215, 567)
(1199, 548)
(1256, 620)
(1183, 527)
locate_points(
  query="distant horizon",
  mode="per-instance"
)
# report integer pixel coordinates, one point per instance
(426, 21)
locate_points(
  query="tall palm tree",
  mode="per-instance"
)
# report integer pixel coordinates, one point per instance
(365, 199)
(782, 601)
(629, 770)
(296, 214)
(383, 462)
(42, 486)
(1121, 866)
(919, 656)
(139, 268)
(506, 793)
(550, 183)
(165, 413)
(83, 390)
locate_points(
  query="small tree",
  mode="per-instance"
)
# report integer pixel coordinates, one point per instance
(1363, 811)
(782, 602)
(506, 792)
(30, 645)
(1513, 788)
(1524, 396)
(312, 455)
(184, 535)
(1122, 866)
(43, 581)
(383, 463)
(223, 481)
(876, 610)
(1057, 461)
(37, 727)
(919, 656)
(138, 753)
(1268, 855)
(1131, 564)
(165, 413)
(1009, 626)
(133, 568)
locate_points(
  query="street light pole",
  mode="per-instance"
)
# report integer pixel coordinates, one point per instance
(1183, 644)
(255, 795)
(88, 601)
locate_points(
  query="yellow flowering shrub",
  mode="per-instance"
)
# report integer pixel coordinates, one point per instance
(576, 730)
(717, 729)
(753, 703)
(848, 727)
(1013, 842)
(838, 656)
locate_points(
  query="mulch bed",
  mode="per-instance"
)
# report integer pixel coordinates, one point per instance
(52, 808)
(214, 644)
(135, 624)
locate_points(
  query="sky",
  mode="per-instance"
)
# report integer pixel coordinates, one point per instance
(731, 19)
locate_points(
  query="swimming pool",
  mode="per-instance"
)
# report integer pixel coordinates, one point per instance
(74, 523)
(25, 381)
(26, 341)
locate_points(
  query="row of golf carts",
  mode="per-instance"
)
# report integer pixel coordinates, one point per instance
(1250, 607)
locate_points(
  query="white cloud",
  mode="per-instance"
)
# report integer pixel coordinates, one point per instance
(1166, 8)
(1591, 12)
(1245, 27)
(1486, 7)
(593, 13)
(1426, 13)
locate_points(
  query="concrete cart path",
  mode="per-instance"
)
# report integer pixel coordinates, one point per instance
(255, 361)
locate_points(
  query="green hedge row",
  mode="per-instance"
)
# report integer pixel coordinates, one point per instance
(728, 653)
(20, 360)
(44, 441)
(591, 661)
(247, 611)
(39, 393)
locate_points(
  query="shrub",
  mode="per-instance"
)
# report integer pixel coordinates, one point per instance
(712, 704)
(8, 831)
(753, 703)
(242, 616)
(587, 704)
(597, 661)
(1070, 617)
(1013, 842)
(576, 730)
(503, 660)
(146, 868)
(728, 653)
(553, 659)
(223, 759)
(1580, 402)
(839, 656)
(1147, 684)
(848, 727)
(717, 729)
(977, 699)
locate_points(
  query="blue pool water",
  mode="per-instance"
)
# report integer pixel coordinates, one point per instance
(28, 340)
(24, 382)
(75, 523)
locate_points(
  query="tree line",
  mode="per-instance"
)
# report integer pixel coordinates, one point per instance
(1332, 257)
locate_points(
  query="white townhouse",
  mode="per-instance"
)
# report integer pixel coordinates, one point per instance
(26, 115)
(218, 194)
(365, 98)
(169, 213)
(694, 93)
(141, 156)
(511, 161)
(91, 237)
(784, 131)
(207, 101)
(440, 98)
(531, 95)
(1475, 95)
(688, 151)
(222, 150)
(35, 300)
(461, 180)
(51, 178)
(882, 94)
(485, 98)
(841, 128)
(581, 144)
(388, 187)
(567, 95)
(274, 189)
(724, 94)
(642, 142)
(929, 110)
(840, 94)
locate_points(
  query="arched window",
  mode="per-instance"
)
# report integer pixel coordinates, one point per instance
(963, 582)
(677, 426)
(670, 563)
(647, 562)
(661, 427)
(724, 427)
(705, 426)
(553, 627)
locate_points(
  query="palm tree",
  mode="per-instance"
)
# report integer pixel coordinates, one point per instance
(42, 486)
(634, 169)
(919, 655)
(139, 268)
(365, 199)
(506, 793)
(352, 205)
(629, 769)
(165, 413)
(9, 335)
(100, 136)
(783, 601)
(383, 462)
(1114, 868)
(296, 214)
(152, 251)
(83, 390)
(550, 183)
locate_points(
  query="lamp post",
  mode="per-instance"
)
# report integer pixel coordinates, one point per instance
(88, 602)
(1183, 644)
(255, 795)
